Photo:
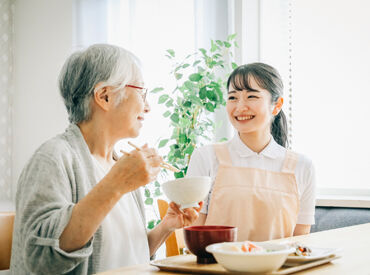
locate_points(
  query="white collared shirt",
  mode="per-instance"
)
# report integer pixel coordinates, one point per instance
(204, 163)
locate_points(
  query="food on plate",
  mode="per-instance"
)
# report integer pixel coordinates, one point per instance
(251, 247)
(246, 246)
(252, 257)
(301, 250)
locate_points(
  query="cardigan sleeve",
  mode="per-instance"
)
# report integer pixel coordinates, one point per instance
(44, 207)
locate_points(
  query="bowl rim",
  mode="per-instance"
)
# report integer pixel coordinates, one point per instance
(208, 228)
(187, 178)
(212, 249)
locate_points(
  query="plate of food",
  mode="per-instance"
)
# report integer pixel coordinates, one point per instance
(305, 253)
(250, 257)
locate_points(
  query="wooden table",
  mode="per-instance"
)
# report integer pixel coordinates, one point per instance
(353, 240)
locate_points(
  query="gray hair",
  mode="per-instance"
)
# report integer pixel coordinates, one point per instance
(101, 63)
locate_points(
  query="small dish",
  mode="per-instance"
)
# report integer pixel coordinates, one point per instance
(187, 192)
(317, 253)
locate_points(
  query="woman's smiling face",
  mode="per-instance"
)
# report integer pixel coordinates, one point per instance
(249, 110)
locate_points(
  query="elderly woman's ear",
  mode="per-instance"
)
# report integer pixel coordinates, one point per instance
(103, 97)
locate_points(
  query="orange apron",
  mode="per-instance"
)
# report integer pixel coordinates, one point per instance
(262, 204)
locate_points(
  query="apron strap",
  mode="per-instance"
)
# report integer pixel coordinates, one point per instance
(222, 154)
(290, 162)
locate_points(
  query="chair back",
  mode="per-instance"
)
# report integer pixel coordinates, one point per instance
(175, 242)
(6, 238)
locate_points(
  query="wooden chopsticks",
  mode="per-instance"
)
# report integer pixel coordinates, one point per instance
(164, 165)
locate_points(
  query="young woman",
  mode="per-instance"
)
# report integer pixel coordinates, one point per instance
(259, 186)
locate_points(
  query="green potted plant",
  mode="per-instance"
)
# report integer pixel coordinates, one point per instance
(201, 82)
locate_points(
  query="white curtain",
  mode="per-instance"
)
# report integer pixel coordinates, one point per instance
(275, 35)
(6, 85)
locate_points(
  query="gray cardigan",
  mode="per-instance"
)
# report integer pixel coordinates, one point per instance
(58, 175)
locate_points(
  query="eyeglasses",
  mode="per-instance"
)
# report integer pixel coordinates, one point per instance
(143, 90)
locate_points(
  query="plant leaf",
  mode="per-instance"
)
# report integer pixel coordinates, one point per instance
(147, 193)
(149, 201)
(189, 85)
(195, 77)
(203, 92)
(203, 51)
(185, 65)
(177, 153)
(174, 146)
(182, 138)
(189, 150)
(157, 192)
(175, 117)
(163, 99)
(196, 63)
(211, 95)
(213, 46)
(178, 175)
(219, 42)
(156, 90)
(234, 65)
(227, 44)
(166, 114)
(171, 52)
(187, 104)
(178, 76)
(169, 103)
(162, 143)
(210, 107)
(195, 99)
(185, 122)
(201, 69)
(231, 37)
(151, 224)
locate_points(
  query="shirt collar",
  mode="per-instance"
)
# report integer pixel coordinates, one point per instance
(273, 149)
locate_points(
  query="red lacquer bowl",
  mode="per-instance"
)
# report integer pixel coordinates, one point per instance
(197, 238)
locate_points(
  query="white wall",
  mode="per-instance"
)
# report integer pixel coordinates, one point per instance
(43, 40)
(331, 89)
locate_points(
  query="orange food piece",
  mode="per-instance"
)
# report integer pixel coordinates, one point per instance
(248, 246)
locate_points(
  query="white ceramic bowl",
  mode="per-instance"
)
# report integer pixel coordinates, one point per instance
(187, 192)
(253, 262)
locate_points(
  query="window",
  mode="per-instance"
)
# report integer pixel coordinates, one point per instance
(148, 29)
(330, 68)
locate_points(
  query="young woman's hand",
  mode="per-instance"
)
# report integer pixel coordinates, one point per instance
(176, 218)
(135, 169)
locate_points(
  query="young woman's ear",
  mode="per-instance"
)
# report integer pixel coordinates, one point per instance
(278, 106)
(102, 97)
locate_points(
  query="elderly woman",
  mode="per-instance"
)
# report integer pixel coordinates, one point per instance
(79, 208)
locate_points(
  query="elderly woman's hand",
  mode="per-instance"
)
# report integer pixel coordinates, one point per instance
(176, 218)
(135, 169)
